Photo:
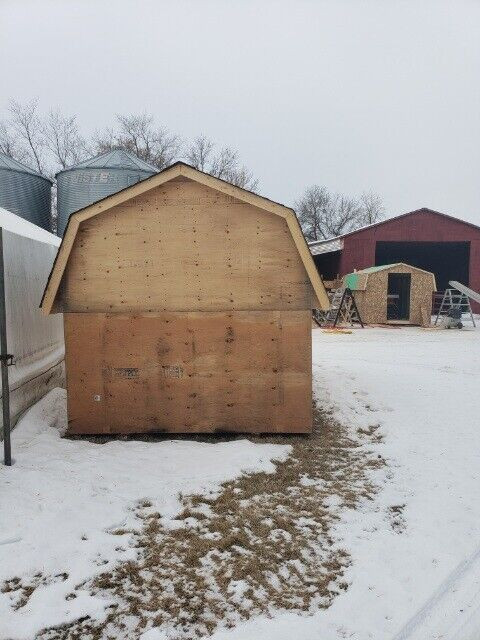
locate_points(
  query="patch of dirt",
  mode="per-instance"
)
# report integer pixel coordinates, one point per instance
(264, 543)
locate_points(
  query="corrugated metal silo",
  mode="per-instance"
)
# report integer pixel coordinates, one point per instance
(97, 178)
(25, 192)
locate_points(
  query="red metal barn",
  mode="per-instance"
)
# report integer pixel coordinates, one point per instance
(427, 239)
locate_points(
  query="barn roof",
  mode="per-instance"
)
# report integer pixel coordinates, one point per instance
(180, 169)
(336, 244)
(325, 246)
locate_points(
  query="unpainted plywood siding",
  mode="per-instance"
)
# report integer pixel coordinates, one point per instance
(184, 247)
(372, 302)
(243, 371)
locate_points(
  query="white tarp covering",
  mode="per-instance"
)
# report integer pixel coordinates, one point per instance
(35, 340)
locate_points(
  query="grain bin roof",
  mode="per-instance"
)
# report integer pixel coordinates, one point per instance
(116, 159)
(180, 169)
(14, 165)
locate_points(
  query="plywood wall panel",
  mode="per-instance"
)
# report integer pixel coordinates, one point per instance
(190, 372)
(83, 366)
(184, 247)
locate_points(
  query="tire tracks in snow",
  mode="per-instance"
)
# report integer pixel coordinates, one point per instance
(453, 611)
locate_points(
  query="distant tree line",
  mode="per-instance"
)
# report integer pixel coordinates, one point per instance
(53, 141)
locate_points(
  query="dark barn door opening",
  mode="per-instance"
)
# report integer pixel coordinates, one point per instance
(328, 264)
(447, 260)
(398, 296)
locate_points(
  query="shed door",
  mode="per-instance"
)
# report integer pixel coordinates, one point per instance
(398, 296)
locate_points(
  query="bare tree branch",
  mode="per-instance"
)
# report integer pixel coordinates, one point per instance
(103, 141)
(224, 164)
(63, 139)
(9, 144)
(199, 152)
(55, 142)
(372, 208)
(30, 130)
(137, 134)
(324, 215)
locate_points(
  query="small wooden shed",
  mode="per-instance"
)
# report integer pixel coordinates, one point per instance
(187, 308)
(393, 293)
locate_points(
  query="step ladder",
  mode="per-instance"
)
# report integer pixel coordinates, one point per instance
(343, 310)
(453, 299)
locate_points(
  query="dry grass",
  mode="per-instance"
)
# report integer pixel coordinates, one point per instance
(21, 590)
(264, 543)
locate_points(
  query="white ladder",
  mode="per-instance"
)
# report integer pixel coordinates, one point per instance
(454, 299)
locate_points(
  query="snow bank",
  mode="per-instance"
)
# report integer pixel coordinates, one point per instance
(62, 497)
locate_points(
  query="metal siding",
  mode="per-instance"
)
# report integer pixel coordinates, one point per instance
(78, 188)
(424, 226)
(35, 340)
(26, 194)
(116, 159)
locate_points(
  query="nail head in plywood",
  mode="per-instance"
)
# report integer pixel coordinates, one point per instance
(130, 198)
(234, 257)
(197, 372)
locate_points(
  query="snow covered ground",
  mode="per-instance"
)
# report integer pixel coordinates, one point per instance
(415, 548)
(416, 569)
(61, 498)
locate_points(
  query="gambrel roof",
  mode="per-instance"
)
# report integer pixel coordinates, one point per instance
(358, 280)
(180, 169)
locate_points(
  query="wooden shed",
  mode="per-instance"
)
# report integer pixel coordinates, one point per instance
(187, 308)
(393, 293)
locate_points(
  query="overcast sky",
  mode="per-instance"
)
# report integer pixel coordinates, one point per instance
(381, 95)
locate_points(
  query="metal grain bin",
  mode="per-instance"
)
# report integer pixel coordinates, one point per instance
(25, 192)
(97, 178)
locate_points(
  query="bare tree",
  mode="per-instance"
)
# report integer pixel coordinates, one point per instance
(63, 139)
(199, 152)
(324, 215)
(372, 208)
(224, 164)
(312, 211)
(29, 130)
(103, 141)
(138, 134)
(54, 142)
(9, 144)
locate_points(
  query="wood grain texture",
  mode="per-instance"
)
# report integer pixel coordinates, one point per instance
(189, 372)
(185, 247)
(178, 173)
